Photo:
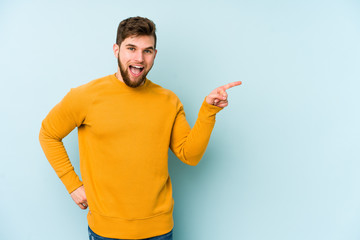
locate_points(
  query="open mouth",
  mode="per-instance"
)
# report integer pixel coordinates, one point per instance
(136, 70)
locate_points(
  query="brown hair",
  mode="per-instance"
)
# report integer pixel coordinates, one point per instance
(135, 26)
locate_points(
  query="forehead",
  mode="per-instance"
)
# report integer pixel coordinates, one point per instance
(144, 41)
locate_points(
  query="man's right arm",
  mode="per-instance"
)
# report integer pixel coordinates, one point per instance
(60, 121)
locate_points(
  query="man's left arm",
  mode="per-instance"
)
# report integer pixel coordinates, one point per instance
(188, 144)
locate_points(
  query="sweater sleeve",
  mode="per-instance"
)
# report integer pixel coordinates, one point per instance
(188, 144)
(62, 119)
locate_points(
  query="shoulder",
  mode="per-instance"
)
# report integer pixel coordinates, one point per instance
(167, 96)
(85, 93)
(93, 86)
(164, 93)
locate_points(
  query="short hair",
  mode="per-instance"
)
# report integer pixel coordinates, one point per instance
(135, 26)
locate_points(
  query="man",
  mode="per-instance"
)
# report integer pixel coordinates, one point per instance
(126, 124)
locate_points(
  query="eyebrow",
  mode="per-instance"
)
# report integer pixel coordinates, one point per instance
(132, 45)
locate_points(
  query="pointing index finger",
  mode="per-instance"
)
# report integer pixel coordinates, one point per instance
(230, 85)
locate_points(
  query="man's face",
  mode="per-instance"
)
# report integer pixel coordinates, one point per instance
(135, 56)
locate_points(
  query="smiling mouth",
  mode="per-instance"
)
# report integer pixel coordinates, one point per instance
(136, 70)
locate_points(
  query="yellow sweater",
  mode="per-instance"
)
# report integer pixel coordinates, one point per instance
(124, 136)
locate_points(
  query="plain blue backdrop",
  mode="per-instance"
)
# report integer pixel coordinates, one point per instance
(284, 158)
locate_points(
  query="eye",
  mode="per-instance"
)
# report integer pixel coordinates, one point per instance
(148, 51)
(131, 49)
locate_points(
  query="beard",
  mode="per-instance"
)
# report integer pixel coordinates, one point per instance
(125, 76)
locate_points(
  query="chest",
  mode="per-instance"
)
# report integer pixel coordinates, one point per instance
(128, 115)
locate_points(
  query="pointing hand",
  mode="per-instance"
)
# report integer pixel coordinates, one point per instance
(218, 97)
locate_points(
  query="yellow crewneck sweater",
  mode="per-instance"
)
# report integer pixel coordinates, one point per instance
(124, 136)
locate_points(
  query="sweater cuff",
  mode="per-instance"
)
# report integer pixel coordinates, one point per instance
(207, 111)
(71, 181)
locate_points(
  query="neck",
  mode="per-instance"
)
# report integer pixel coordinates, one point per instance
(118, 76)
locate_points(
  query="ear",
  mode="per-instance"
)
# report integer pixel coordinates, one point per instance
(116, 50)
(155, 53)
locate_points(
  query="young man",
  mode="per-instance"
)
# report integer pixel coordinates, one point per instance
(126, 124)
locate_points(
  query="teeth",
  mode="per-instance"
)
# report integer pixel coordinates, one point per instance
(137, 67)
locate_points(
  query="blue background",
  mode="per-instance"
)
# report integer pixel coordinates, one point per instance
(284, 158)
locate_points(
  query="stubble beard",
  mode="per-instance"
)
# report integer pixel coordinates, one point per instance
(126, 79)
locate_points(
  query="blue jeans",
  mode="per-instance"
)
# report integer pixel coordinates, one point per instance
(94, 236)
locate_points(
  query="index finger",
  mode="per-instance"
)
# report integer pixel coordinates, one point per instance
(82, 206)
(230, 85)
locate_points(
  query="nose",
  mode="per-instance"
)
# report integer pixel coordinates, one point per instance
(139, 57)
